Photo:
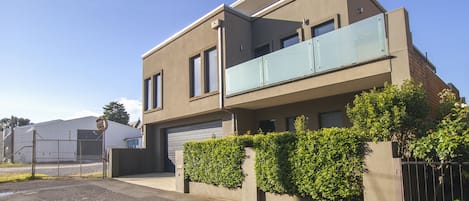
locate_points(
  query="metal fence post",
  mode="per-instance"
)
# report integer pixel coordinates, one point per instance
(33, 159)
(79, 141)
(58, 158)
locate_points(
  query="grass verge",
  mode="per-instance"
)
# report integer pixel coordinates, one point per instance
(17, 177)
(7, 165)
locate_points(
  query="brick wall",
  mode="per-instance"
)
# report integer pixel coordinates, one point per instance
(422, 71)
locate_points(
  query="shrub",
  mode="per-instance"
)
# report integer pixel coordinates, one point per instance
(216, 161)
(328, 164)
(273, 168)
(449, 141)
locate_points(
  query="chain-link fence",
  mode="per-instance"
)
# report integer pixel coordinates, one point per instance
(58, 157)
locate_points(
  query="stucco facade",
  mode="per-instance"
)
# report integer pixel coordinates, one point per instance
(238, 33)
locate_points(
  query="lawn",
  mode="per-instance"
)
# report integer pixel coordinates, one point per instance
(17, 177)
(7, 165)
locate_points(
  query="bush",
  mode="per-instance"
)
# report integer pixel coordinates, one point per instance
(391, 111)
(273, 168)
(449, 141)
(216, 161)
(328, 164)
(322, 165)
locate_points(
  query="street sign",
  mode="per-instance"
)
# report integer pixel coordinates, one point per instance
(101, 123)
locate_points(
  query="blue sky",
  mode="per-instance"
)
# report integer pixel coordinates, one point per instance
(68, 58)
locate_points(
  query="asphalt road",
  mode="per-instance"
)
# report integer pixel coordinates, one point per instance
(58, 170)
(88, 189)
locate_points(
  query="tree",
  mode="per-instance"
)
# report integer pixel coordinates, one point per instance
(116, 112)
(449, 141)
(14, 122)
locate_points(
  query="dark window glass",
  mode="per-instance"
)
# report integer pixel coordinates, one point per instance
(147, 94)
(196, 77)
(211, 71)
(291, 123)
(157, 91)
(267, 126)
(331, 119)
(323, 28)
(291, 40)
(262, 50)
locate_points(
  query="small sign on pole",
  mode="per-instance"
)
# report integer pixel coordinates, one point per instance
(101, 125)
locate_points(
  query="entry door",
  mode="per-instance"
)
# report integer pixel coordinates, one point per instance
(177, 136)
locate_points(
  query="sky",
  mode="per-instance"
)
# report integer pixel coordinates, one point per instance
(63, 59)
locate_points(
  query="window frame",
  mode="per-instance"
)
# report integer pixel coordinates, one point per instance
(207, 72)
(192, 76)
(342, 114)
(295, 35)
(157, 91)
(334, 19)
(147, 100)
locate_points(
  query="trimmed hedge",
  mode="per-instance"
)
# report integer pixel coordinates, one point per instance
(328, 164)
(216, 161)
(273, 167)
(322, 165)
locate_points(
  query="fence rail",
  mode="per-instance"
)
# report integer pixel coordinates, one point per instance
(435, 181)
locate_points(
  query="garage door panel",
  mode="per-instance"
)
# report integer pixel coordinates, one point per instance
(179, 135)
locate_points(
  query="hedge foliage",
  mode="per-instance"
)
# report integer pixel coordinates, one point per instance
(273, 167)
(216, 161)
(322, 165)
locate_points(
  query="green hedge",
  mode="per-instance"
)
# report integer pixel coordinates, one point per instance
(328, 164)
(324, 164)
(216, 161)
(273, 168)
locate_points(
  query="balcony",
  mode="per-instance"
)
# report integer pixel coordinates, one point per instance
(357, 43)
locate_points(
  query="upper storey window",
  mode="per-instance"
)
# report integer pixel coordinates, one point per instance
(211, 71)
(323, 28)
(290, 40)
(147, 94)
(196, 76)
(204, 73)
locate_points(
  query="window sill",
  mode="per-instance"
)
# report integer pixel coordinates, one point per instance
(152, 110)
(194, 98)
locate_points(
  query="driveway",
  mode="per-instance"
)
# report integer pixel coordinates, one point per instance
(88, 189)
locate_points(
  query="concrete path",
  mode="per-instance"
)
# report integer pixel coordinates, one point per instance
(163, 181)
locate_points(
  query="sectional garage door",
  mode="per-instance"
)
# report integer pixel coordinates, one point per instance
(177, 136)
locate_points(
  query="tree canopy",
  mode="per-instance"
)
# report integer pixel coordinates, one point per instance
(14, 121)
(116, 112)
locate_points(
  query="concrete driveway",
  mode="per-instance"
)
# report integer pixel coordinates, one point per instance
(164, 181)
(88, 189)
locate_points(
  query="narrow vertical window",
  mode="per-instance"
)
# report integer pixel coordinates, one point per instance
(147, 94)
(323, 28)
(196, 76)
(211, 71)
(157, 91)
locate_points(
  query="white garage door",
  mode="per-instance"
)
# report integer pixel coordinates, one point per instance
(179, 135)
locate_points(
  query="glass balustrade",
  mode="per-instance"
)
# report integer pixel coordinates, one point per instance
(359, 42)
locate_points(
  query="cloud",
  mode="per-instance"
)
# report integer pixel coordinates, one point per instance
(133, 107)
